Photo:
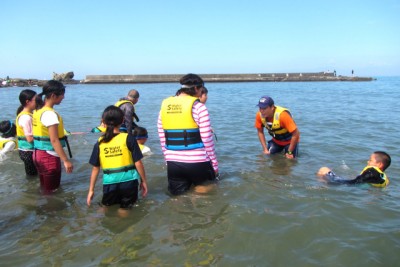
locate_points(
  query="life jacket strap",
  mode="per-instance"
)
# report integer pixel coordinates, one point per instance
(124, 169)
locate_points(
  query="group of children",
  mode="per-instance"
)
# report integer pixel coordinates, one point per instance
(38, 133)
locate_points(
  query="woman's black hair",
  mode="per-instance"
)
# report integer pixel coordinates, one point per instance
(189, 83)
(112, 117)
(24, 96)
(50, 87)
(8, 129)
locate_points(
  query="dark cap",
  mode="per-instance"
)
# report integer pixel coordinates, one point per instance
(265, 101)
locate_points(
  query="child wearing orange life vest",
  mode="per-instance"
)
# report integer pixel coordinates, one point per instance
(372, 174)
(119, 156)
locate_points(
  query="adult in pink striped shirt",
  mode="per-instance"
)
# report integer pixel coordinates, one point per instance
(186, 139)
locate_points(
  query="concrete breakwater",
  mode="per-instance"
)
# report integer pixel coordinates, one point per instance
(255, 77)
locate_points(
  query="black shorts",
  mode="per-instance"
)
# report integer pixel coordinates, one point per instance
(181, 176)
(125, 194)
(275, 148)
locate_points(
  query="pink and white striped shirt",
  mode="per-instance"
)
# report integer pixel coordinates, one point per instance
(207, 153)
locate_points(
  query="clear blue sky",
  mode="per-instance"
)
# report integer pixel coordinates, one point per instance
(177, 37)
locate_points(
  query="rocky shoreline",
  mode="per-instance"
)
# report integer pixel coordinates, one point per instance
(173, 78)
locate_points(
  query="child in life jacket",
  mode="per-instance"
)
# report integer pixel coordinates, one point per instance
(119, 156)
(372, 174)
(23, 122)
(7, 140)
(49, 137)
(99, 129)
(141, 135)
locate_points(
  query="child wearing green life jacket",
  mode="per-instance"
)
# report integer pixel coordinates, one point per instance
(372, 174)
(7, 139)
(119, 156)
(23, 122)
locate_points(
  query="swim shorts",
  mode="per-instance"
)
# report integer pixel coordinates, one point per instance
(181, 176)
(49, 169)
(275, 148)
(125, 194)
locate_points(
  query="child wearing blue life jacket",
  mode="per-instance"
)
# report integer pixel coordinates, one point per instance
(119, 156)
(372, 174)
(141, 135)
(23, 122)
(7, 140)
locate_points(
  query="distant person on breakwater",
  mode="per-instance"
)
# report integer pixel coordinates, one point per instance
(186, 139)
(27, 98)
(372, 174)
(127, 105)
(119, 156)
(280, 125)
(7, 139)
(49, 137)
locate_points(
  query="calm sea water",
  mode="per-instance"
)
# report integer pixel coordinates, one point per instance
(266, 211)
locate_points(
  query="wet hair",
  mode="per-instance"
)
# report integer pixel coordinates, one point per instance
(50, 87)
(8, 129)
(112, 117)
(140, 133)
(25, 95)
(189, 84)
(384, 158)
(133, 93)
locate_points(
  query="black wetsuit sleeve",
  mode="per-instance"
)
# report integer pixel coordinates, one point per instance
(134, 148)
(370, 175)
(128, 110)
(95, 157)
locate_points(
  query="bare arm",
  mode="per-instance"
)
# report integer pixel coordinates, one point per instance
(93, 179)
(293, 142)
(143, 185)
(261, 137)
(55, 142)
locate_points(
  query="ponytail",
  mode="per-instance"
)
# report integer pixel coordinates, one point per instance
(108, 135)
(39, 101)
(112, 117)
(20, 108)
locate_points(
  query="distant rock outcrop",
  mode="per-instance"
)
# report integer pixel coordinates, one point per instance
(63, 77)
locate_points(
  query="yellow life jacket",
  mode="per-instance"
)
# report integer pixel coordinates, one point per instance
(385, 179)
(41, 138)
(116, 160)
(121, 102)
(275, 129)
(22, 142)
(4, 141)
(181, 131)
(99, 129)
(141, 146)
(123, 127)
